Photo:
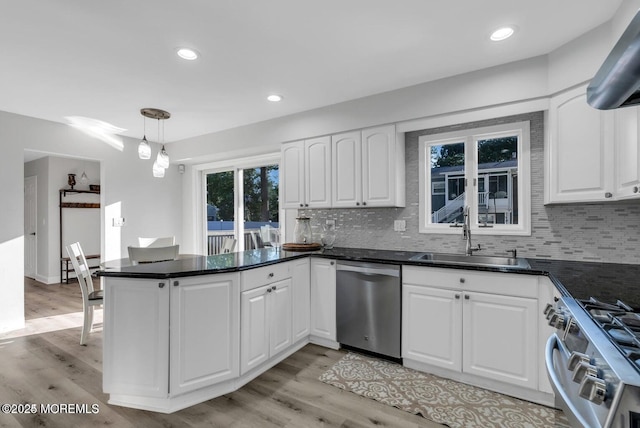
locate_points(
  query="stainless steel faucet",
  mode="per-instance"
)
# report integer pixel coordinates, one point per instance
(466, 234)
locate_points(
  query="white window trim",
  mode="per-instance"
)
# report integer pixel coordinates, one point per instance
(470, 138)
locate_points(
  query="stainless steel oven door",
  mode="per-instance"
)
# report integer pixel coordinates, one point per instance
(579, 411)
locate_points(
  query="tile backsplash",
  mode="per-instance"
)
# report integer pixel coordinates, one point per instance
(606, 232)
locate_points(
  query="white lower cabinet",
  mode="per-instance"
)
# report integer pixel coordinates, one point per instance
(323, 296)
(146, 355)
(266, 320)
(499, 338)
(136, 337)
(301, 299)
(204, 331)
(432, 326)
(485, 334)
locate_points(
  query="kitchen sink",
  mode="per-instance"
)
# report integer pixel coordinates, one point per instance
(461, 259)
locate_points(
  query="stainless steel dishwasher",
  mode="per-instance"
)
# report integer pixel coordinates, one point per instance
(368, 307)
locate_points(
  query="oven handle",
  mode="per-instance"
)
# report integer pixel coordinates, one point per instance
(552, 345)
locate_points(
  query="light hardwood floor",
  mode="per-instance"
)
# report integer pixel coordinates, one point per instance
(45, 364)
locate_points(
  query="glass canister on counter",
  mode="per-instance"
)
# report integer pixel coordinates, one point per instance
(302, 231)
(328, 235)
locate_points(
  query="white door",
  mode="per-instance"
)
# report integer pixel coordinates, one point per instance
(280, 316)
(580, 157)
(292, 175)
(30, 226)
(205, 331)
(301, 300)
(346, 169)
(432, 326)
(318, 172)
(254, 328)
(136, 337)
(378, 166)
(500, 334)
(627, 165)
(323, 296)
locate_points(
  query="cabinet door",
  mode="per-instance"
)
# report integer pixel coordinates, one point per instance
(292, 175)
(301, 300)
(136, 337)
(500, 335)
(280, 316)
(204, 331)
(627, 153)
(580, 155)
(346, 170)
(318, 172)
(379, 166)
(254, 328)
(431, 326)
(323, 296)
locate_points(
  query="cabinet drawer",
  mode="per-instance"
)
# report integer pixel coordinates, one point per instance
(264, 275)
(509, 284)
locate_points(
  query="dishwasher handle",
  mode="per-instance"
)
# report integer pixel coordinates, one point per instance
(370, 270)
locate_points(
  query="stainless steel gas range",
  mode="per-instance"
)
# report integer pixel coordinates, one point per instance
(593, 362)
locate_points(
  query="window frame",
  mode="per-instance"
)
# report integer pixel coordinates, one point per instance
(470, 137)
(236, 166)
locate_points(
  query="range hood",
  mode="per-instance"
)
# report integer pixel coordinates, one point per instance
(617, 82)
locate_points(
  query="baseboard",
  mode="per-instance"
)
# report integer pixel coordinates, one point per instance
(327, 343)
(11, 325)
(47, 279)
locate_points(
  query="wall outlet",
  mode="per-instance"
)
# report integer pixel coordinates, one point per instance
(330, 222)
(118, 222)
(399, 225)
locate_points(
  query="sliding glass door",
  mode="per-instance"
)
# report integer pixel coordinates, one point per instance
(249, 194)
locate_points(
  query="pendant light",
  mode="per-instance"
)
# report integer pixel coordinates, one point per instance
(144, 149)
(162, 160)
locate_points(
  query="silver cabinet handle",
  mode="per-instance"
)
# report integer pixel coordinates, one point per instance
(270, 275)
(176, 283)
(462, 280)
(273, 288)
(332, 263)
(269, 290)
(466, 297)
(608, 195)
(636, 189)
(457, 296)
(161, 285)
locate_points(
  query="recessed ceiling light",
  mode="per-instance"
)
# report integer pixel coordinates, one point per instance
(502, 34)
(274, 98)
(188, 54)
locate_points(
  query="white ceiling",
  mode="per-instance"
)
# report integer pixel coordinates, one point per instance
(107, 59)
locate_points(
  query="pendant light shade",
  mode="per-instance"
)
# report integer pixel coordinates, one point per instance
(163, 158)
(158, 171)
(144, 149)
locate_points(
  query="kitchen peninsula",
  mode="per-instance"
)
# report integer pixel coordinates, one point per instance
(182, 332)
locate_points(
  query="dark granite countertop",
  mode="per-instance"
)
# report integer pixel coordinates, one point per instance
(605, 281)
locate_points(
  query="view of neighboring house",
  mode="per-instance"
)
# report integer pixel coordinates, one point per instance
(497, 193)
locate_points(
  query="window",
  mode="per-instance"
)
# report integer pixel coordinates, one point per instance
(486, 169)
(249, 193)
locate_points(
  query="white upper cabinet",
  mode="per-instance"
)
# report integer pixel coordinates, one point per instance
(579, 155)
(306, 174)
(346, 152)
(368, 168)
(627, 139)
